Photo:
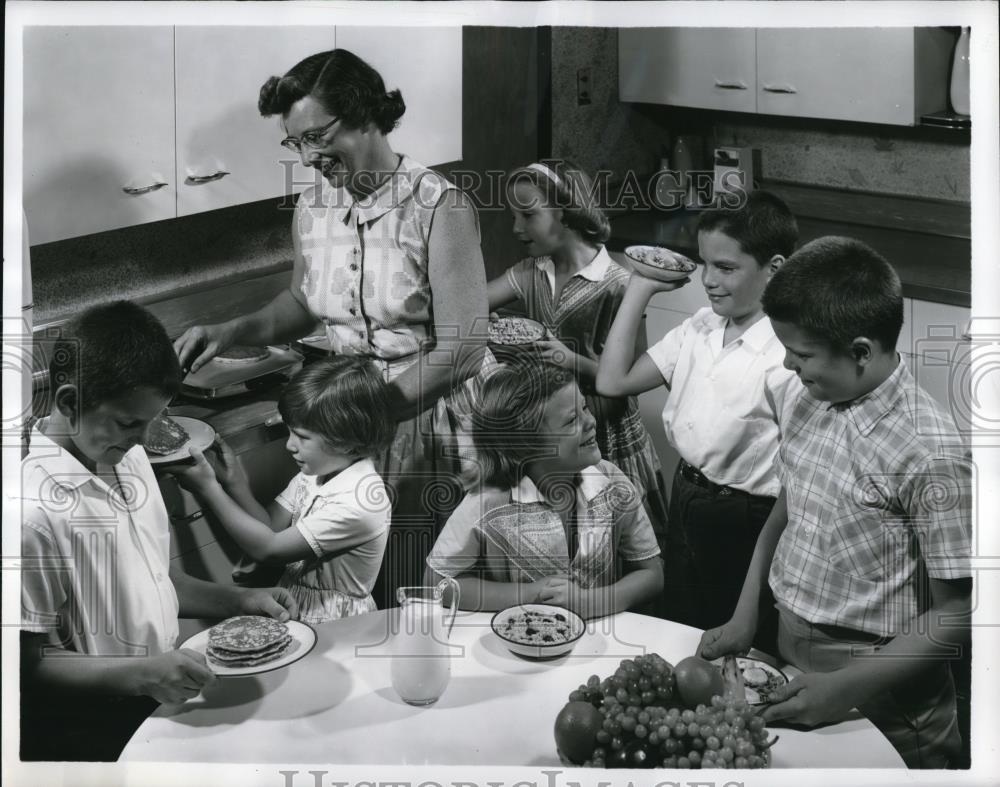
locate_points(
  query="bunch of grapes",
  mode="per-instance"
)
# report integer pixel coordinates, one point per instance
(646, 727)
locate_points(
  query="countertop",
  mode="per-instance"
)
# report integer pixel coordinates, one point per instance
(927, 241)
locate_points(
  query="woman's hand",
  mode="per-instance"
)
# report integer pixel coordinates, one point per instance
(201, 343)
(812, 699)
(277, 603)
(732, 637)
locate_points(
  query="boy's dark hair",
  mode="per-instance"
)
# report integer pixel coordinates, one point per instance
(573, 191)
(344, 84)
(111, 350)
(507, 418)
(344, 399)
(763, 226)
(838, 289)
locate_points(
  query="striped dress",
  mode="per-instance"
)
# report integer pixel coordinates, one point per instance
(582, 319)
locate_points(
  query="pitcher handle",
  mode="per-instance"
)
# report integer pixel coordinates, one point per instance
(456, 592)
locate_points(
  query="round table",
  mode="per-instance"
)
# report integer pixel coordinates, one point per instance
(337, 704)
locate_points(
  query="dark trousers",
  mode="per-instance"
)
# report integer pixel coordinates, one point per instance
(711, 537)
(81, 728)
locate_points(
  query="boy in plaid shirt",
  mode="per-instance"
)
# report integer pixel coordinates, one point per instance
(867, 549)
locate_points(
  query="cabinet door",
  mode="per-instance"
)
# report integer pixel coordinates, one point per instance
(864, 74)
(688, 67)
(219, 74)
(425, 64)
(98, 119)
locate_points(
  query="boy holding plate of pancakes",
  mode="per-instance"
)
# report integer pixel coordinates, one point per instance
(100, 597)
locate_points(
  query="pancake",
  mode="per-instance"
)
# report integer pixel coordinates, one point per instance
(164, 435)
(242, 354)
(248, 634)
(231, 659)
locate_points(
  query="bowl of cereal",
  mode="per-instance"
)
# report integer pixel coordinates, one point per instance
(538, 631)
(656, 262)
(515, 332)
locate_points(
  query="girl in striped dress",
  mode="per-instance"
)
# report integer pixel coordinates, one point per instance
(570, 284)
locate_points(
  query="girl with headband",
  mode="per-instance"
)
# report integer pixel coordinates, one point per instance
(570, 284)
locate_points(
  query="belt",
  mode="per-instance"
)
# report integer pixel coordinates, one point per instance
(694, 475)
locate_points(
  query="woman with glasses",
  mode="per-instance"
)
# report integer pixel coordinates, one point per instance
(387, 256)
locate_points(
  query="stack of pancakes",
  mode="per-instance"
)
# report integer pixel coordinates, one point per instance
(247, 640)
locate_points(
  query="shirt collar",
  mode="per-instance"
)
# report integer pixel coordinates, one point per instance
(59, 465)
(756, 337)
(866, 411)
(397, 188)
(348, 478)
(589, 483)
(594, 270)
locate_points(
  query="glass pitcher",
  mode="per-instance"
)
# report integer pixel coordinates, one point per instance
(421, 660)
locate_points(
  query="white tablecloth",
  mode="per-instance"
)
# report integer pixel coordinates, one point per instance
(337, 705)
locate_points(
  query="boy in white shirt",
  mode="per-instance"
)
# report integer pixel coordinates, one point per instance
(728, 387)
(99, 595)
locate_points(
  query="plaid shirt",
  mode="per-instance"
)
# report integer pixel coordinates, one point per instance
(876, 503)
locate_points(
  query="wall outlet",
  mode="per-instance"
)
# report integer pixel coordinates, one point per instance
(583, 86)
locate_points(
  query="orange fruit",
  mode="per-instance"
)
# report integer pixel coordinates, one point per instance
(576, 731)
(697, 681)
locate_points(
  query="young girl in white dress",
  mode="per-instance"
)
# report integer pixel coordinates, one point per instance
(330, 524)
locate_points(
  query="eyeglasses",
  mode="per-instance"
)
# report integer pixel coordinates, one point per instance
(313, 139)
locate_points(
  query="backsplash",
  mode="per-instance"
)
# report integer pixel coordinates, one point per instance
(860, 157)
(154, 259)
(604, 134)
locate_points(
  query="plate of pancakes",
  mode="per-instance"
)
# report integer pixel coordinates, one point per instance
(251, 644)
(168, 438)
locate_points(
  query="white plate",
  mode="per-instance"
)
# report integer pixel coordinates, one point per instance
(303, 641)
(778, 678)
(201, 437)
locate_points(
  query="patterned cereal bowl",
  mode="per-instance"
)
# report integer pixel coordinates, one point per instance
(538, 631)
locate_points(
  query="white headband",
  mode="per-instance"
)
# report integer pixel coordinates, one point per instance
(546, 172)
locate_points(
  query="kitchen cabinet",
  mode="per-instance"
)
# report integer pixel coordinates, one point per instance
(425, 64)
(227, 154)
(98, 130)
(889, 75)
(124, 126)
(712, 68)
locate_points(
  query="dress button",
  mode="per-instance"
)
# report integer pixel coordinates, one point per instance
(353, 310)
(354, 266)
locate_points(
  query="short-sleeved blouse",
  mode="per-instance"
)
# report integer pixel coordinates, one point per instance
(514, 535)
(365, 261)
(345, 522)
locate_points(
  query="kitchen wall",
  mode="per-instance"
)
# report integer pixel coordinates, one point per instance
(149, 260)
(914, 162)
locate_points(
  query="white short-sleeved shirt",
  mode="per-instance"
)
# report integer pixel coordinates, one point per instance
(346, 523)
(513, 535)
(95, 565)
(725, 403)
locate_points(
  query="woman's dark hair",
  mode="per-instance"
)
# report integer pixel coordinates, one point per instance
(838, 289)
(570, 189)
(111, 350)
(507, 418)
(763, 226)
(346, 86)
(345, 400)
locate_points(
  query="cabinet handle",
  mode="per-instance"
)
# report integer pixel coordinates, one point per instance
(780, 89)
(143, 189)
(197, 180)
(730, 85)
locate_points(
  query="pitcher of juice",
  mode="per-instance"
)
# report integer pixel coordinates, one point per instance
(421, 659)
